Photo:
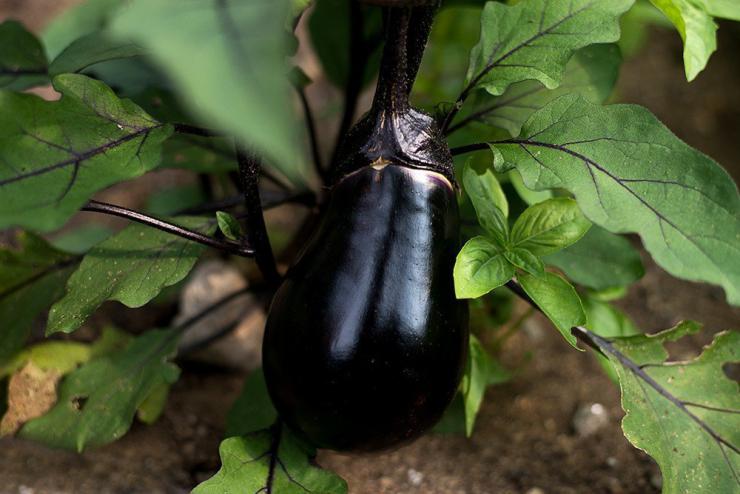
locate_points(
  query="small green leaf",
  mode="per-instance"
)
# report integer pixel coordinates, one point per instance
(607, 321)
(525, 260)
(482, 371)
(549, 226)
(252, 410)
(695, 24)
(56, 155)
(32, 277)
(89, 50)
(229, 226)
(535, 39)
(488, 200)
(228, 60)
(629, 173)
(22, 58)
(80, 20)
(558, 300)
(600, 260)
(246, 467)
(480, 267)
(153, 405)
(97, 402)
(690, 459)
(131, 267)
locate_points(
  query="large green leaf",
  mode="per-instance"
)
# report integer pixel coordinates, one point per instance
(32, 277)
(629, 173)
(695, 23)
(599, 260)
(227, 59)
(331, 30)
(535, 39)
(90, 50)
(692, 437)
(271, 460)
(22, 58)
(81, 20)
(591, 72)
(97, 402)
(131, 267)
(55, 155)
(557, 299)
(480, 267)
(549, 226)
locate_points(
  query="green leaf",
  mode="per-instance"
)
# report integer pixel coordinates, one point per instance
(170, 201)
(480, 267)
(607, 321)
(62, 356)
(525, 260)
(131, 267)
(89, 50)
(58, 154)
(488, 200)
(81, 20)
(330, 29)
(528, 196)
(153, 405)
(229, 225)
(592, 72)
(31, 279)
(246, 467)
(97, 402)
(694, 22)
(482, 371)
(80, 240)
(629, 173)
(558, 301)
(252, 411)
(599, 260)
(22, 58)
(199, 154)
(690, 459)
(227, 59)
(549, 226)
(535, 39)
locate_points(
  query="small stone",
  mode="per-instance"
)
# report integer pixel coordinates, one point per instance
(612, 462)
(535, 490)
(25, 490)
(589, 418)
(415, 477)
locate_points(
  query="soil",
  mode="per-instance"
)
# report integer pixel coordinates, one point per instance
(524, 441)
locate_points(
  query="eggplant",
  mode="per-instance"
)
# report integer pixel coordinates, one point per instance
(365, 342)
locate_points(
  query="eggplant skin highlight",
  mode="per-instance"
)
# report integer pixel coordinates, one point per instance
(365, 341)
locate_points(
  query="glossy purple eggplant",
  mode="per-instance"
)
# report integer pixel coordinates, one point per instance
(365, 342)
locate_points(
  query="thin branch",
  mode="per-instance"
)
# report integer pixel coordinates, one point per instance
(249, 172)
(311, 128)
(131, 215)
(183, 128)
(607, 348)
(469, 148)
(359, 53)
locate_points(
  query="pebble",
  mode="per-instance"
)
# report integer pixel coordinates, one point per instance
(415, 477)
(589, 418)
(535, 490)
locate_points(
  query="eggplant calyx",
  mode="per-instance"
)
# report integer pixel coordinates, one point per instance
(410, 138)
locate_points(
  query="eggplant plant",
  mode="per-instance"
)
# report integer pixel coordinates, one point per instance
(514, 179)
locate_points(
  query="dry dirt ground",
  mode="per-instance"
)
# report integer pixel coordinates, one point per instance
(524, 440)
